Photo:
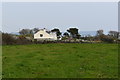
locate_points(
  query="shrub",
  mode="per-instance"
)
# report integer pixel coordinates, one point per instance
(23, 40)
(105, 38)
(7, 39)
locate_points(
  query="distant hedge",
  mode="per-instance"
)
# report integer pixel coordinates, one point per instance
(8, 39)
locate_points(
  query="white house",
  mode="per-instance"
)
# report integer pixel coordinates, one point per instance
(43, 34)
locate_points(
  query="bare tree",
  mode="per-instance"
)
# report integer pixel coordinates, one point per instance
(35, 30)
(25, 31)
(114, 34)
(99, 32)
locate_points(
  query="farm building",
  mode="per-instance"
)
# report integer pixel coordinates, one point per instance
(44, 34)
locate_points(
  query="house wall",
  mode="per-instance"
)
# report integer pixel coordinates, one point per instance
(45, 35)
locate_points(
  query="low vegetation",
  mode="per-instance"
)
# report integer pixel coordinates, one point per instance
(8, 39)
(71, 35)
(60, 61)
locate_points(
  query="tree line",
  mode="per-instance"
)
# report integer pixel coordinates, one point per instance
(73, 32)
(26, 36)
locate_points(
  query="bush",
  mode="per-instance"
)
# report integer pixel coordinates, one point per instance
(8, 39)
(107, 39)
(23, 40)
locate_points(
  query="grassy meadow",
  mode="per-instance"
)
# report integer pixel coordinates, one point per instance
(72, 60)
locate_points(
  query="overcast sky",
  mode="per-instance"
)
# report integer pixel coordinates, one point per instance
(87, 16)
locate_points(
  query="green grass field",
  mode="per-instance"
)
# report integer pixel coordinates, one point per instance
(60, 61)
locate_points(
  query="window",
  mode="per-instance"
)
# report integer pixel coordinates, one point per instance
(41, 35)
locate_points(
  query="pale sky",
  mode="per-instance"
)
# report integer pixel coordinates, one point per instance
(87, 16)
(60, 0)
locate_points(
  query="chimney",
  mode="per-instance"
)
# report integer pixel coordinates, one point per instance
(44, 29)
